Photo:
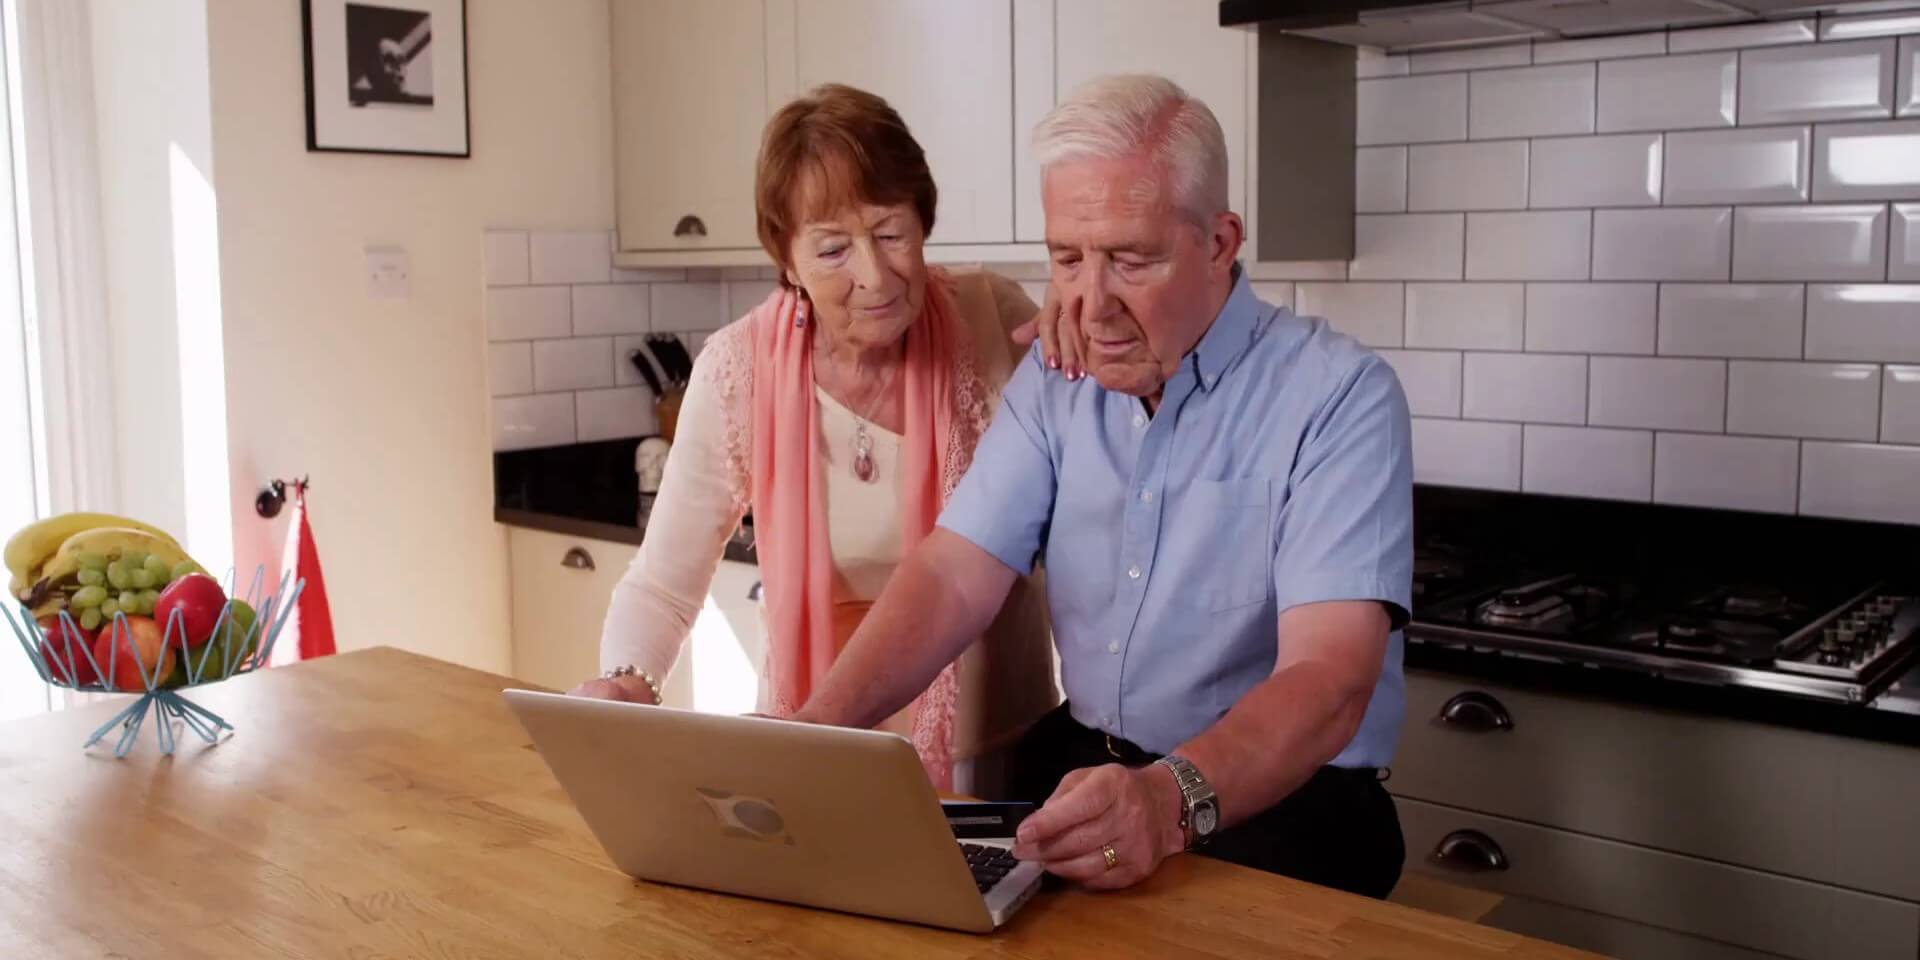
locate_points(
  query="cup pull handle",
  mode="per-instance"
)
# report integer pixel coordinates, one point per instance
(754, 592)
(577, 558)
(1476, 712)
(690, 226)
(1471, 851)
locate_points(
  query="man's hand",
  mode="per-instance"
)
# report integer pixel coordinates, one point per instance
(1057, 327)
(1136, 812)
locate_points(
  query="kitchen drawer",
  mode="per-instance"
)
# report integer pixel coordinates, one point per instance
(561, 586)
(1683, 895)
(1608, 936)
(1827, 808)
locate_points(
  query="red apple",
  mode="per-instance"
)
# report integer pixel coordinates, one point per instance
(199, 599)
(72, 652)
(143, 653)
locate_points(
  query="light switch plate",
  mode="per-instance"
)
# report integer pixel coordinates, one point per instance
(389, 274)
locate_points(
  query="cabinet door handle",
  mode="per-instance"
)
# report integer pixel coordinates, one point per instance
(690, 226)
(1476, 712)
(1469, 850)
(577, 558)
(753, 592)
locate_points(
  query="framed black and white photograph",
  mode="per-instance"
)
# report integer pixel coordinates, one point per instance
(387, 76)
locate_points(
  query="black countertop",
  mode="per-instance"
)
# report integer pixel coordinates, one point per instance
(585, 490)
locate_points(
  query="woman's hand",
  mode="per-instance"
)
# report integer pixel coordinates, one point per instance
(1057, 327)
(628, 689)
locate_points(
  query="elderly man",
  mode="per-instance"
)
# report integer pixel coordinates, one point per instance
(1224, 514)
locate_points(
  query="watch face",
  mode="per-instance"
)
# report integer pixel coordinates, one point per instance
(1205, 818)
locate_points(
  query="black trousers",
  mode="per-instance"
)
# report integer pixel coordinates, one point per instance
(1338, 830)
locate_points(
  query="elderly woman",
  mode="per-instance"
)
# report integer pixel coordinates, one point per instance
(841, 411)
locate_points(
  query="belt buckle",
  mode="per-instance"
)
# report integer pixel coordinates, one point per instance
(1111, 752)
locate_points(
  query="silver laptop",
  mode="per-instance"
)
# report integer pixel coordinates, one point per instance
(820, 816)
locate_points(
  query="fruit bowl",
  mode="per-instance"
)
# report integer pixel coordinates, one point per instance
(158, 659)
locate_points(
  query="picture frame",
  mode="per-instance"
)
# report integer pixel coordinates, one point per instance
(387, 76)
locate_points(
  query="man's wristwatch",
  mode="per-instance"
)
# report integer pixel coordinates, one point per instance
(1199, 812)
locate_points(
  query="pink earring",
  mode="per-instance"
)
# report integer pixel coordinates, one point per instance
(800, 313)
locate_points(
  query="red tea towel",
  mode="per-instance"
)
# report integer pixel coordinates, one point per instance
(309, 626)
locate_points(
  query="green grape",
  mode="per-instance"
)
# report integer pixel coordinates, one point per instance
(88, 597)
(91, 561)
(158, 568)
(183, 568)
(134, 560)
(148, 599)
(92, 578)
(129, 602)
(119, 575)
(90, 619)
(109, 607)
(141, 579)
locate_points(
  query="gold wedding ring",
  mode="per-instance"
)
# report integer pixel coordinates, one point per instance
(1113, 859)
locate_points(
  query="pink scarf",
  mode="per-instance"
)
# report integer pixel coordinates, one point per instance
(790, 508)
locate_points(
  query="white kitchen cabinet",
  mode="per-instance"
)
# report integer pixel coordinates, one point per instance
(947, 67)
(690, 96)
(560, 600)
(1178, 39)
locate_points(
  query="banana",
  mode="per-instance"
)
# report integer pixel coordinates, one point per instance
(33, 547)
(111, 543)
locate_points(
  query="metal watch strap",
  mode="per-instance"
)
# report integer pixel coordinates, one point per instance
(1194, 790)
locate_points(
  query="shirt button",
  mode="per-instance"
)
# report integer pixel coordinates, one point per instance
(1146, 496)
(1113, 647)
(1139, 419)
(1133, 573)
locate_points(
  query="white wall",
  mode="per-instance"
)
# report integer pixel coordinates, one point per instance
(384, 403)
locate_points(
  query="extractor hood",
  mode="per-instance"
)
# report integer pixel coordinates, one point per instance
(1424, 24)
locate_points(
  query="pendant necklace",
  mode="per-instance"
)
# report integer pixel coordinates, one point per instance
(863, 466)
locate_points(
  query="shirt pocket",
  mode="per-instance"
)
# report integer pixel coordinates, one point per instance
(1223, 554)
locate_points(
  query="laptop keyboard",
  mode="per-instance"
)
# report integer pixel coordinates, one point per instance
(990, 865)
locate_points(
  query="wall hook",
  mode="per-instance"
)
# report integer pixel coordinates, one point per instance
(270, 501)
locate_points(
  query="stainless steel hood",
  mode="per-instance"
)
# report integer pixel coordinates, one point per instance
(1401, 25)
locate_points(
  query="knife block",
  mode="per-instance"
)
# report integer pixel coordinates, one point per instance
(666, 410)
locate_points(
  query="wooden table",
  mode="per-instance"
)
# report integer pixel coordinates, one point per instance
(380, 804)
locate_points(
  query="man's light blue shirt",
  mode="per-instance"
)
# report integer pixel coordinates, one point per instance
(1277, 471)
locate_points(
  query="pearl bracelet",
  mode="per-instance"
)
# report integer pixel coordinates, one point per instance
(629, 670)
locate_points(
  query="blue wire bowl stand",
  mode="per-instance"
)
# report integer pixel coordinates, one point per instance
(230, 655)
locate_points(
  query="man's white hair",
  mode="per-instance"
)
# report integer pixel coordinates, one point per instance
(1128, 115)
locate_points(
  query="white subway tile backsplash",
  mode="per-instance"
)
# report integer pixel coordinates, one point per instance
(1667, 244)
(1906, 99)
(1036, 290)
(1544, 245)
(1371, 313)
(1468, 176)
(505, 258)
(1867, 161)
(1584, 462)
(1875, 323)
(1465, 316)
(744, 295)
(1817, 400)
(1279, 293)
(648, 275)
(624, 373)
(688, 306)
(1298, 270)
(1826, 81)
(1431, 379)
(1810, 243)
(1859, 481)
(524, 313)
(1612, 171)
(1409, 246)
(1903, 246)
(1900, 406)
(1661, 394)
(1534, 387)
(1600, 48)
(616, 414)
(572, 364)
(1466, 453)
(1424, 109)
(1534, 102)
(1668, 93)
(1879, 25)
(1731, 473)
(1380, 180)
(535, 420)
(577, 256)
(610, 308)
(1471, 58)
(509, 369)
(1760, 321)
(1747, 165)
(1745, 35)
(1590, 317)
